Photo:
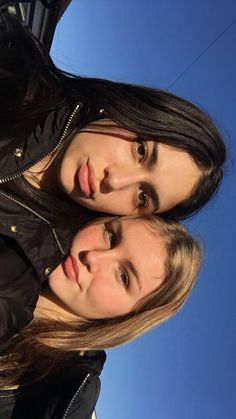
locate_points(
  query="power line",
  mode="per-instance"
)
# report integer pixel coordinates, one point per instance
(202, 53)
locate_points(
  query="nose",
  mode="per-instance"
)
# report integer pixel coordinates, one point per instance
(116, 178)
(92, 259)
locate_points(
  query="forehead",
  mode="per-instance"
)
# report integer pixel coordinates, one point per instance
(108, 127)
(175, 176)
(139, 232)
(144, 246)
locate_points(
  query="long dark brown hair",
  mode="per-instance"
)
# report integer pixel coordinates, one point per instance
(150, 113)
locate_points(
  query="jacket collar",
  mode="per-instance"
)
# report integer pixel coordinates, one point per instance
(44, 140)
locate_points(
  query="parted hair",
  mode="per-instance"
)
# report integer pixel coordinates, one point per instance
(48, 344)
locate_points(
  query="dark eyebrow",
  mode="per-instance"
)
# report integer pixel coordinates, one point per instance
(152, 162)
(154, 198)
(129, 264)
(153, 157)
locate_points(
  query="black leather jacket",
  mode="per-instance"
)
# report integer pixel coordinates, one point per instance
(44, 245)
(32, 237)
(19, 289)
(30, 247)
(28, 232)
(70, 394)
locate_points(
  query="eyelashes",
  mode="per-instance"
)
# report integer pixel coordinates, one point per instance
(110, 235)
(141, 151)
(142, 198)
(124, 277)
(112, 239)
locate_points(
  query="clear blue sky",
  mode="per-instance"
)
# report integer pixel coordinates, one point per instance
(185, 369)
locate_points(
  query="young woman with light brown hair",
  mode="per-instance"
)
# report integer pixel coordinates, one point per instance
(105, 293)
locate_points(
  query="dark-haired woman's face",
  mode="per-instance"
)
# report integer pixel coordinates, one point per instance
(117, 173)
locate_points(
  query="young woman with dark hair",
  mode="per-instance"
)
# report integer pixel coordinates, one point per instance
(152, 125)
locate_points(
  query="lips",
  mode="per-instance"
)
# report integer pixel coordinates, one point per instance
(86, 178)
(71, 269)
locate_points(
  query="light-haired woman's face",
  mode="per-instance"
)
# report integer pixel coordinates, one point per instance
(110, 170)
(111, 266)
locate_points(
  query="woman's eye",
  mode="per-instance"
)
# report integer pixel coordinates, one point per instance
(141, 151)
(124, 278)
(110, 235)
(142, 198)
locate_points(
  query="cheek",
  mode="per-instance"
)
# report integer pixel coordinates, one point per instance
(87, 145)
(114, 203)
(110, 150)
(71, 154)
(73, 147)
(100, 294)
(120, 150)
(87, 239)
(109, 300)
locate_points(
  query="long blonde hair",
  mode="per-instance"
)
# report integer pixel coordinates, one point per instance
(45, 344)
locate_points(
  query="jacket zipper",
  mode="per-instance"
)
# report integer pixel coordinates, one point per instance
(18, 174)
(37, 215)
(82, 385)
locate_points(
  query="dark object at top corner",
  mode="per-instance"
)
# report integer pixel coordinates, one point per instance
(41, 16)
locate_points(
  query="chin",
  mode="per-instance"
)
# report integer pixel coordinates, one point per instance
(56, 276)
